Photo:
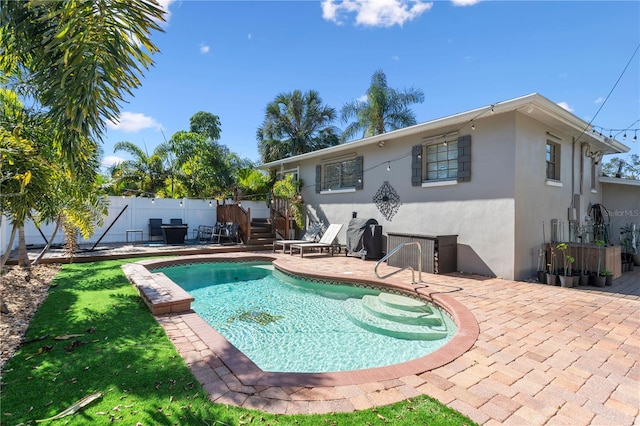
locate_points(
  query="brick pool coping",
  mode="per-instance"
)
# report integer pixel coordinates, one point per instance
(165, 298)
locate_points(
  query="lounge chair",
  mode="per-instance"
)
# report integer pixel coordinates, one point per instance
(325, 242)
(310, 236)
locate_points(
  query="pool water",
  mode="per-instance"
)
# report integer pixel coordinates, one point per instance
(288, 324)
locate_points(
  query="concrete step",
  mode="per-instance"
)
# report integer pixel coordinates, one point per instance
(361, 317)
(374, 306)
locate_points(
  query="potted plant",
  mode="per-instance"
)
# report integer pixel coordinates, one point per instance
(551, 267)
(566, 279)
(541, 271)
(608, 277)
(584, 270)
(599, 279)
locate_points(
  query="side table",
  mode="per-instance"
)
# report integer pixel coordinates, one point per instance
(133, 233)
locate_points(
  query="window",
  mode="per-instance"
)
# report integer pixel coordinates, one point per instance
(339, 174)
(445, 163)
(441, 161)
(553, 161)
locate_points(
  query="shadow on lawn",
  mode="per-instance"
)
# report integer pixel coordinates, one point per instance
(116, 347)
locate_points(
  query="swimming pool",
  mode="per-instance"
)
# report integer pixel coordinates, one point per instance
(286, 323)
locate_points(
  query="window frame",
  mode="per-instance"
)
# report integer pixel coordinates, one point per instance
(452, 153)
(346, 181)
(552, 149)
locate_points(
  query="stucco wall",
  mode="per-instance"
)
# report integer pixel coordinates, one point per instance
(480, 212)
(622, 200)
(538, 203)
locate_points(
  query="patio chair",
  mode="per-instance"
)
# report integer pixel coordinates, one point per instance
(155, 229)
(203, 233)
(310, 236)
(228, 231)
(327, 241)
(176, 221)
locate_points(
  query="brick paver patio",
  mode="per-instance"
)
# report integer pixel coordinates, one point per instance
(545, 355)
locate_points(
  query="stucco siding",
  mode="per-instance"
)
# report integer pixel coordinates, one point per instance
(480, 212)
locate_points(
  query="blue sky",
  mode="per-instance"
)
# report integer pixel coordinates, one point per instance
(231, 58)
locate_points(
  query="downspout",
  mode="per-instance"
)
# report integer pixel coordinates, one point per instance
(572, 206)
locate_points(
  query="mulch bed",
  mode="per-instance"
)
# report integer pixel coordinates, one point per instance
(22, 292)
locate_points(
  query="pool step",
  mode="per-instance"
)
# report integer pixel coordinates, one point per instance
(377, 307)
(396, 316)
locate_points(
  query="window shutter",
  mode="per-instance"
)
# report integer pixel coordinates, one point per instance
(318, 178)
(359, 172)
(416, 165)
(464, 158)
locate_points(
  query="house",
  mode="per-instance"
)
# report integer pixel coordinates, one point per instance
(495, 176)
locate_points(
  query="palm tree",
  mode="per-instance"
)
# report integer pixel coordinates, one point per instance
(77, 59)
(384, 109)
(144, 174)
(296, 123)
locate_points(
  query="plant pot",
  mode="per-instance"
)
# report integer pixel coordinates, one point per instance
(542, 277)
(552, 279)
(599, 280)
(584, 279)
(566, 281)
(608, 280)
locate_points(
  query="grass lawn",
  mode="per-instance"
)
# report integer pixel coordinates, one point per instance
(102, 338)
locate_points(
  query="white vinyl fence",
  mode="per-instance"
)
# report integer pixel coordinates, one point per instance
(132, 213)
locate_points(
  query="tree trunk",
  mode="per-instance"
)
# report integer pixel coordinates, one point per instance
(23, 256)
(48, 246)
(6, 255)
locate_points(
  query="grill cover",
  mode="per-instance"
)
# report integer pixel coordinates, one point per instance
(364, 238)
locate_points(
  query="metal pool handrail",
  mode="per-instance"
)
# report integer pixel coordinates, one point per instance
(392, 252)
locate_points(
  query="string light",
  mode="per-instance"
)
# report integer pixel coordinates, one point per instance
(211, 203)
(153, 200)
(473, 126)
(388, 166)
(635, 136)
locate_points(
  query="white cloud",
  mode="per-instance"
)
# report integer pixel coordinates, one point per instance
(374, 13)
(465, 2)
(395, 57)
(131, 122)
(111, 160)
(164, 5)
(566, 106)
(249, 36)
(362, 98)
(204, 49)
(599, 100)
